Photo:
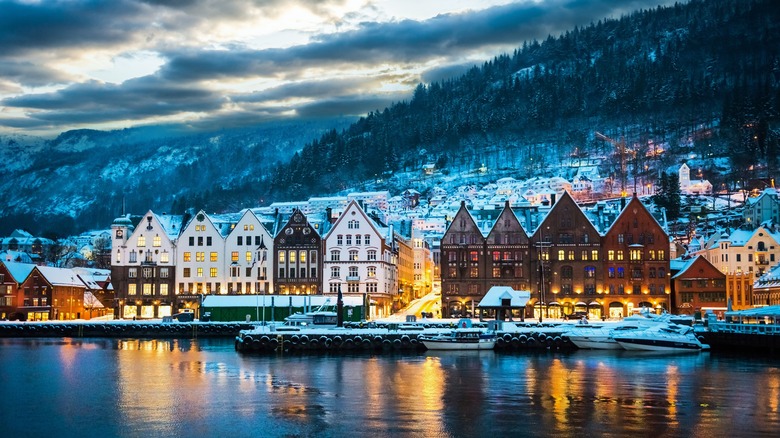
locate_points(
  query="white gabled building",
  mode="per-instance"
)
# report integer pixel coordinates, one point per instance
(200, 265)
(247, 250)
(360, 258)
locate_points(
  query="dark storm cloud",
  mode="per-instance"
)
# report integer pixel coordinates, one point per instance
(407, 41)
(307, 89)
(66, 24)
(347, 105)
(29, 73)
(96, 102)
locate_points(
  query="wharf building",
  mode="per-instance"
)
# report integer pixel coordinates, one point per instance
(568, 259)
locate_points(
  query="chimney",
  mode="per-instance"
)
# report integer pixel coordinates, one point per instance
(552, 199)
(622, 203)
(328, 213)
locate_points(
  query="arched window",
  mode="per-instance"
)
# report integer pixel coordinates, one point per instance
(590, 272)
(566, 272)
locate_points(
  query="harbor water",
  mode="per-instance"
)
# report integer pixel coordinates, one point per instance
(192, 388)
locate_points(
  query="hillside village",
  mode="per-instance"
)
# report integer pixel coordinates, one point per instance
(391, 250)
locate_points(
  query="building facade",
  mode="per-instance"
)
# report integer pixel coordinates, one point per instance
(297, 264)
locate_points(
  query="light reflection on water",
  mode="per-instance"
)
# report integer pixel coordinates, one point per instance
(107, 387)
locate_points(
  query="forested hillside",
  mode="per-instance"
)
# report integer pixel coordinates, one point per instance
(659, 75)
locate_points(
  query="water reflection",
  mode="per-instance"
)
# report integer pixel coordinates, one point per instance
(202, 387)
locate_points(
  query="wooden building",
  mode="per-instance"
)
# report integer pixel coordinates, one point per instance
(699, 286)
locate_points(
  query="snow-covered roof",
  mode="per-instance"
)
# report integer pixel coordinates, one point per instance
(277, 301)
(19, 271)
(60, 276)
(495, 296)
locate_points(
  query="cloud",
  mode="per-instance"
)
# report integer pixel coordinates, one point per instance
(98, 102)
(334, 73)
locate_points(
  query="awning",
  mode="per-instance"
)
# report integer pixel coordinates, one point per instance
(553, 303)
(580, 303)
(594, 304)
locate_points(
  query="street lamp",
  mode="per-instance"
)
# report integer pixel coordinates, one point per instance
(541, 246)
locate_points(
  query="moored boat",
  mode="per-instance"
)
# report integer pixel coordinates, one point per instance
(460, 339)
(666, 338)
(600, 337)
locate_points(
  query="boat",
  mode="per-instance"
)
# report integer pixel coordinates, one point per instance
(754, 330)
(666, 338)
(323, 316)
(600, 337)
(461, 339)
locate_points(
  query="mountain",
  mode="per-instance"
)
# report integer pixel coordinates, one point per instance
(702, 75)
(87, 177)
(700, 78)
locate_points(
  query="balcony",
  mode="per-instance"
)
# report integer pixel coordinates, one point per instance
(353, 278)
(762, 262)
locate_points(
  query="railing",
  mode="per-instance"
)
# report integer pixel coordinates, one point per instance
(752, 329)
(353, 278)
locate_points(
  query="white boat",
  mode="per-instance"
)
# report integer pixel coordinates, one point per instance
(461, 339)
(600, 337)
(321, 317)
(668, 338)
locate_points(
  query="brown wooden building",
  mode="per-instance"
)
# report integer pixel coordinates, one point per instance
(298, 264)
(699, 285)
(636, 260)
(567, 265)
(12, 276)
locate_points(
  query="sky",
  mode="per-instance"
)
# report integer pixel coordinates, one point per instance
(216, 64)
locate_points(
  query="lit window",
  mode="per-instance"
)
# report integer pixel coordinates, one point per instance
(234, 256)
(213, 256)
(200, 256)
(293, 255)
(371, 271)
(131, 289)
(353, 255)
(213, 272)
(147, 289)
(132, 273)
(187, 256)
(561, 254)
(594, 255)
(157, 241)
(620, 255)
(282, 256)
(302, 256)
(163, 289)
(200, 272)
(248, 256)
(164, 257)
(141, 240)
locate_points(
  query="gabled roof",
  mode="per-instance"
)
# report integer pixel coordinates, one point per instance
(494, 297)
(634, 200)
(19, 271)
(565, 197)
(60, 276)
(382, 231)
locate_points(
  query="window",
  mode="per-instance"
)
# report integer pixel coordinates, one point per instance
(496, 272)
(200, 272)
(561, 254)
(651, 254)
(353, 271)
(200, 256)
(620, 273)
(367, 239)
(213, 256)
(248, 243)
(739, 257)
(474, 256)
(147, 288)
(208, 241)
(590, 272)
(157, 241)
(620, 255)
(164, 257)
(335, 272)
(213, 272)
(313, 257)
(131, 289)
(357, 239)
(353, 255)
(474, 273)
(371, 255)
(566, 272)
(584, 255)
(566, 289)
(164, 289)
(339, 240)
(611, 255)
(371, 271)
(148, 272)
(496, 256)
(661, 273)
(594, 255)
(302, 256)
(620, 238)
(141, 240)
(371, 287)
(636, 254)
(661, 255)
(349, 239)
(186, 272)
(636, 273)
(132, 273)
(353, 224)
(164, 272)
(192, 240)
(200, 240)
(335, 256)
(282, 256)
(353, 288)
(240, 240)
(248, 256)
(187, 256)
(571, 254)
(651, 273)
(118, 256)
